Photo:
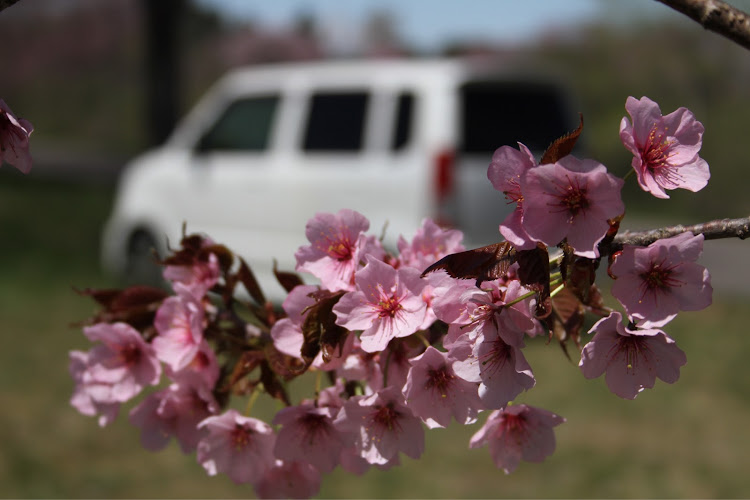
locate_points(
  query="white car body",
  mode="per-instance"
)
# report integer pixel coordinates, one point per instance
(413, 156)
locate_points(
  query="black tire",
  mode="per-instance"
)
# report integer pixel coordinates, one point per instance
(142, 267)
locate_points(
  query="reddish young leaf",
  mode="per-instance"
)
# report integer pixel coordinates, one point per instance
(319, 327)
(566, 320)
(190, 246)
(286, 279)
(614, 226)
(286, 366)
(580, 276)
(611, 260)
(272, 384)
(595, 303)
(223, 255)
(533, 271)
(248, 361)
(135, 305)
(562, 146)
(247, 278)
(195, 248)
(483, 264)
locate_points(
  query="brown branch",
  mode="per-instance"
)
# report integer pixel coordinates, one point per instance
(4, 4)
(711, 230)
(716, 16)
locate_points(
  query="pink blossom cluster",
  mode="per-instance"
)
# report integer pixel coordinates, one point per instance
(407, 339)
(570, 199)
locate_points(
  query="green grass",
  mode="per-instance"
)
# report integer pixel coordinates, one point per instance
(690, 439)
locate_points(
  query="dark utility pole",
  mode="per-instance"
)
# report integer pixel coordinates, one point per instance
(162, 19)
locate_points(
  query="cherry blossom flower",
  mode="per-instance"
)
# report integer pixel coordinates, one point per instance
(363, 366)
(287, 333)
(179, 321)
(430, 244)
(241, 447)
(337, 244)
(519, 432)
(386, 305)
(505, 171)
(500, 368)
(308, 435)
(288, 480)
(630, 359)
(14, 139)
(83, 398)
(434, 392)
(352, 462)
(665, 148)
(483, 311)
(382, 426)
(121, 365)
(202, 370)
(174, 411)
(571, 199)
(196, 279)
(450, 303)
(395, 362)
(490, 316)
(656, 282)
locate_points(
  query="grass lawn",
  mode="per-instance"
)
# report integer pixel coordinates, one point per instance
(690, 439)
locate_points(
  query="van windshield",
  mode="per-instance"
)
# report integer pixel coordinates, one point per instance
(499, 113)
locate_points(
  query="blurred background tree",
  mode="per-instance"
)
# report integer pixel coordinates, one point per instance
(78, 70)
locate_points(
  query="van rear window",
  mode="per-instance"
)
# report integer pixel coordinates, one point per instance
(497, 114)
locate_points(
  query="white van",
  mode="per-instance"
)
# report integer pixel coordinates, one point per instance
(268, 147)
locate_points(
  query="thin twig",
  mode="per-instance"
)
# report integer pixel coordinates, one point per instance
(716, 16)
(711, 230)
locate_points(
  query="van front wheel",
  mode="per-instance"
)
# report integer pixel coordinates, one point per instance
(142, 267)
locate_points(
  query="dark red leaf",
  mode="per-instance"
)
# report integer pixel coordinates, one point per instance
(483, 264)
(567, 318)
(248, 361)
(222, 253)
(611, 260)
(562, 146)
(286, 366)
(533, 271)
(272, 384)
(581, 275)
(319, 328)
(246, 276)
(135, 305)
(286, 279)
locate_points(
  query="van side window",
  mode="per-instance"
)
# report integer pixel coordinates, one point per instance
(502, 113)
(336, 122)
(403, 121)
(244, 126)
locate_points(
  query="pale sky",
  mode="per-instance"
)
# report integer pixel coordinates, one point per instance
(428, 24)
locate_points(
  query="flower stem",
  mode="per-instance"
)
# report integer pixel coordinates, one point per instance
(553, 282)
(420, 336)
(557, 290)
(318, 377)
(253, 398)
(385, 368)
